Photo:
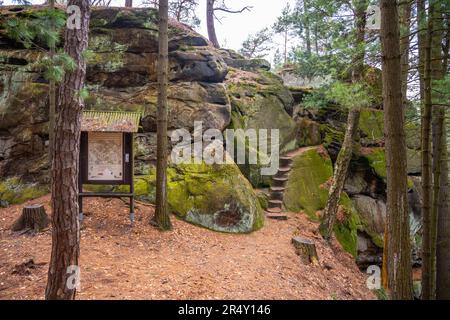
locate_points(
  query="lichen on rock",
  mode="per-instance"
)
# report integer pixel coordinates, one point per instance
(14, 191)
(217, 197)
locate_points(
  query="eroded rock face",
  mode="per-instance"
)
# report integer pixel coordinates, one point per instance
(121, 75)
(260, 101)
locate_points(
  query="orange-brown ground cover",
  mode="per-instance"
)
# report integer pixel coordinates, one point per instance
(120, 262)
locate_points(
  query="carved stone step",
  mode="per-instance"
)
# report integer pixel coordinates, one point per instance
(285, 161)
(279, 182)
(276, 195)
(273, 210)
(277, 189)
(275, 204)
(277, 216)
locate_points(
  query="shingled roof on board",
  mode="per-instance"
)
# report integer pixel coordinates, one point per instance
(110, 121)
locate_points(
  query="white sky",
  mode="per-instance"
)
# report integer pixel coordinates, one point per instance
(233, 28)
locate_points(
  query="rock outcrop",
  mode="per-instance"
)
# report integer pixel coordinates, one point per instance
(223, 90)
(121, 75)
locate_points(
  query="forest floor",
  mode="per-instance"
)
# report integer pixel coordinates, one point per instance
(120, 262)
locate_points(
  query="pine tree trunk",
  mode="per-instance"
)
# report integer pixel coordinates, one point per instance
(51, 102)
(210, 23)
(437, 128)
(360, 7)
(443, 232)
(65, 231)
(421, 41)
(306, 27)
(285, 46)
(340, 173)
(399, 247)
(443, 238)
(405, 20)
(162, 219)
(426, 165)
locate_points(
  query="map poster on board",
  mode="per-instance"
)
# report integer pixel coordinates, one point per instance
(105, 156)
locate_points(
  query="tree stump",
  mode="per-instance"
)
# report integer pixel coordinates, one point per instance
(306, 249)
(33, 217)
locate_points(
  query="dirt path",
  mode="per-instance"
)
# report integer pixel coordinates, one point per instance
(119, 262)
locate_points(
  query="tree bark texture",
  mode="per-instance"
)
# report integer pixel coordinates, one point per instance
(162, 219)
(426, 164)
(405, 21)
(340, 174)
(66, 231)
(399, 246)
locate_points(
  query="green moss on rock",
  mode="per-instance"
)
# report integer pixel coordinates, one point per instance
(14, 191)
(371, 124)
(377, 160)
(217, 197)
(346, 229)
(307, 191)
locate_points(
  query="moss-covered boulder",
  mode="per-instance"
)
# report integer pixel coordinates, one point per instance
(307, 191)
(14, 191)
(217, 197)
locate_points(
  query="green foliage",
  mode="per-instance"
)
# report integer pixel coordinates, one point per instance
(346, 95)
(316, 100)
(441, 90)
(14, 191)
(349, 95)
(327, 31)
(55, 67)
(41, 27)
(257, 45)
(40, 30)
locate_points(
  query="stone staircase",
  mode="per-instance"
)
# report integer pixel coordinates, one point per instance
(276, 192)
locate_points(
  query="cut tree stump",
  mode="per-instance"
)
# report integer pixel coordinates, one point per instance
(306, 249)
(33, 217)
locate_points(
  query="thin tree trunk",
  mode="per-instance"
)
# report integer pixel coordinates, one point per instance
(285, 46)
(438, 196)
(360, 7)
(405, 20)
(51, 101)
(345, 154)
(421, 41)
(399, 247)
(162, 219)
(438, 135)
(65, 224)
(443, 238)
(443, 232)
(340, 173)
(210, 23)
(128, 3)
(306, 27)
(426, 165)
